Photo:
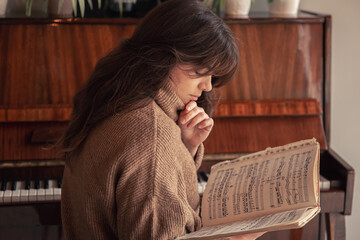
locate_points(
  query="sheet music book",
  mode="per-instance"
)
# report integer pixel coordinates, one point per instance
(270, 190)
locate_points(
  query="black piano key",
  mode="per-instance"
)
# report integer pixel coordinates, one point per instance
(13, 185)
(59, 181)
(27, 184)
(204, 176)
(46, 183)
(4, 184)
(37, 184)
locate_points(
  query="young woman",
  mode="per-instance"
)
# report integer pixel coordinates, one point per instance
(135, 139)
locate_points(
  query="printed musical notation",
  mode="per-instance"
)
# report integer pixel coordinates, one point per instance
(278, 179)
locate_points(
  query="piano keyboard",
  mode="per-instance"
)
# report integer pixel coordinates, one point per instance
(30, 191)
(202, 180)
(50, 189)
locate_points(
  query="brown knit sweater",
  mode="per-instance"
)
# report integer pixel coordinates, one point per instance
(133, 178)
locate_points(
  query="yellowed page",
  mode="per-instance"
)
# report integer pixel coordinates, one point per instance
(271, 181)
(278, 221)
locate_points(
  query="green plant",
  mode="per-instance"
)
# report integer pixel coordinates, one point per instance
(82, 6)
(74, 3)
(45, 6)
(216, 5)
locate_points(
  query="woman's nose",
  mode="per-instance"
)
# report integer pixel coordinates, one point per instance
(206, 84)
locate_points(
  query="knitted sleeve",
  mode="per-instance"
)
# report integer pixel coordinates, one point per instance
(153, 194)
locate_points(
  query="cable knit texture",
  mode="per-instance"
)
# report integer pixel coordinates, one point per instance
(133, 178)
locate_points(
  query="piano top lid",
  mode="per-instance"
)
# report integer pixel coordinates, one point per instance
(253, 16)
(266, 17)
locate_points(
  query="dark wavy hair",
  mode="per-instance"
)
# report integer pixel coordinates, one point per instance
(129, 77)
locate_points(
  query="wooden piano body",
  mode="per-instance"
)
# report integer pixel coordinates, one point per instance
(280, 94)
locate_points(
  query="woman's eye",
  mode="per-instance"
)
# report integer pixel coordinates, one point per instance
(198, 72)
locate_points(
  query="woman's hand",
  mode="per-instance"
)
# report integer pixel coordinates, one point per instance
(195, 126)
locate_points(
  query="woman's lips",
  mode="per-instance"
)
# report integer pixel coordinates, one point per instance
(194, 98)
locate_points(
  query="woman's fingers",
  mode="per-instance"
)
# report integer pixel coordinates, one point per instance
(190, 106)
(195, 120)
(206, 124)
(187, 116)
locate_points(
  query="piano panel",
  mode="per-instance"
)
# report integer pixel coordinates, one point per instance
(237, 134)
(278, 60)
(16, 142)
(56, 59)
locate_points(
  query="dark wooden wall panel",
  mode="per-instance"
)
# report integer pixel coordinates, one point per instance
(48, 63)
(277, 60)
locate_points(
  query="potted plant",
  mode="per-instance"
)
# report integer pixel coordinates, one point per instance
(81, 4)
(3, 7)
(62, 8)
(283, 7)
(55, 8)
(232, 8)
(237, 8)
(216, 5)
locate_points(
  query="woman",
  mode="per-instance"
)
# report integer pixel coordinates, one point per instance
(135, 139)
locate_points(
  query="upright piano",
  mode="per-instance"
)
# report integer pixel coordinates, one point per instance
(280, 94)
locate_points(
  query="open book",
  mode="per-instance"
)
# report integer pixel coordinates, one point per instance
(270, 190)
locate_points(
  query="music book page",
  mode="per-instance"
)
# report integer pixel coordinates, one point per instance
(274, 189)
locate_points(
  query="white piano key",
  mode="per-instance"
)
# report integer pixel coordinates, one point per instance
(40, 192)
(2, 191)
(24, 193)
(15, 197)
(202, 180)
(201, 187)
(7, 193)
(49, 190)
(32, 191)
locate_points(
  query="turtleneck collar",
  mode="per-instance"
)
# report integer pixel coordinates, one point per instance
(169, 102)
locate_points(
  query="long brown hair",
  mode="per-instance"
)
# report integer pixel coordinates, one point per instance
(175, 32)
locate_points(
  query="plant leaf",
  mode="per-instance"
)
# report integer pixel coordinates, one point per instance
(120, 7)
(99, 4)
(74, 3)
(206, 2)
(90, 4)
(82, 7)
(28, 8)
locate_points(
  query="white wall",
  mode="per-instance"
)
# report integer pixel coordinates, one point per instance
(345, 87)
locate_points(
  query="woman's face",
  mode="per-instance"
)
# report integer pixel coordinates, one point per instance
(188, 83)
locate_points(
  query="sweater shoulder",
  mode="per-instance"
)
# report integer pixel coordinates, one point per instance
(141, 128)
